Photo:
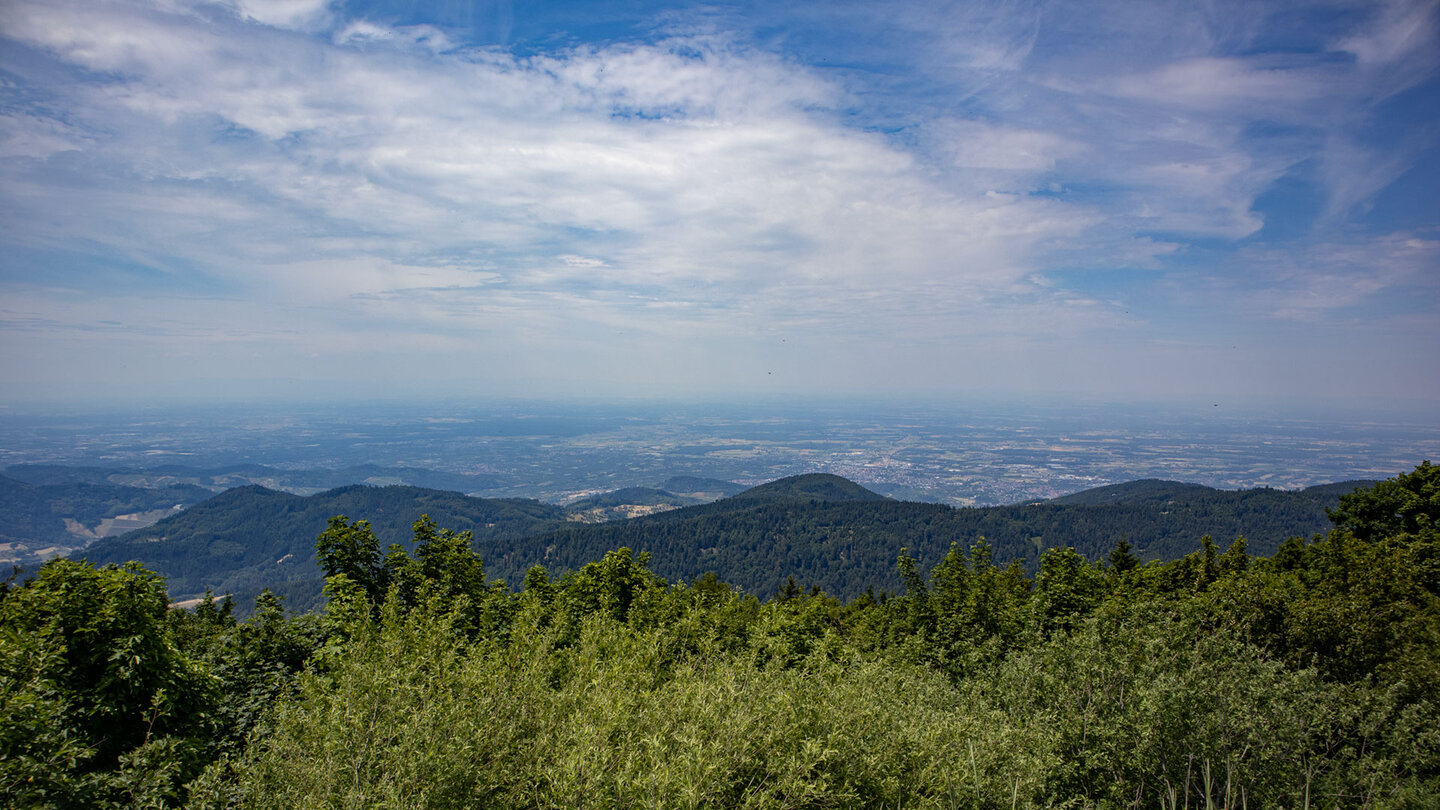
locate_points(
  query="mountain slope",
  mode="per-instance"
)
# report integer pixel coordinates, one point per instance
(39, 521)
(251, 537)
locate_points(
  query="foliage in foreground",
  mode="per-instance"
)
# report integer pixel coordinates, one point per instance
(1308, 679)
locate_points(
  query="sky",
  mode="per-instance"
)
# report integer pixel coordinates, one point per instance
(1125, 200)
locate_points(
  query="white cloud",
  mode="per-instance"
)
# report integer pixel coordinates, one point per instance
(686, 164)
(32, 136)
(1228, 85)
(1333, 280)
(284, 13)
(697, 195)
(581, 261)
(984, 145)
(1404, 31)
(1354, 174)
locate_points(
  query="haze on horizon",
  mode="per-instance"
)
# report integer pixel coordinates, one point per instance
(1093, 199)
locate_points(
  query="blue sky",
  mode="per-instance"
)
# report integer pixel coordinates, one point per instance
(1106, 200)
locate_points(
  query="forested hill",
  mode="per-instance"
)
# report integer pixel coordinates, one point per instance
(848, 542)
(823, 530)
(812, 487)
(1152, 491)
(708, 488)
(37, 520)
(248, 538)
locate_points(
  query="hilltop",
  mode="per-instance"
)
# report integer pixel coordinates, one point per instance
(812, 487)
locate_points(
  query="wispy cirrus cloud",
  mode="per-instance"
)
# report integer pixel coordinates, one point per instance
(1348, 280)
(686, 160)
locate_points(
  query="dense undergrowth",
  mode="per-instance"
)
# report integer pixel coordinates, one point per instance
(1307, 679)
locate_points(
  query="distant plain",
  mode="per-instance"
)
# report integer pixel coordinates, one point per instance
(962, 454)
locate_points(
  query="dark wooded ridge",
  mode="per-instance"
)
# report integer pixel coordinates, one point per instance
(822, 529)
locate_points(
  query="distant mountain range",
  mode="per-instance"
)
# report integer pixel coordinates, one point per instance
(1154, 492)
(824, 530)
(248, 538)
(218, 479)
(42, 520)
(49, 510)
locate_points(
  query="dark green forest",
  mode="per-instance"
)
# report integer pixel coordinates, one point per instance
(249, 538)
(821, 529)
(35, 513)
(1309, 677)
(834, 534)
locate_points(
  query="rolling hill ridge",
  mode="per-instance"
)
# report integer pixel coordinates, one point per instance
(824, 530)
